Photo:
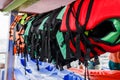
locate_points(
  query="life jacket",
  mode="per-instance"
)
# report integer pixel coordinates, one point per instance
(86, 18)
(12, 25)
(19, 33)
(16, 32)
(44, 39)
(38, 36)
(34, 35)
(26, 32)
(13, 36)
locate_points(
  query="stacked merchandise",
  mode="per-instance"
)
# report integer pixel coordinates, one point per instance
(69, 33)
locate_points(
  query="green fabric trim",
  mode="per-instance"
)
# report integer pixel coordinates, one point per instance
(28, 27)
(60, 40)
(60, 15)
(112, 36)
(60, 37)
(27, 30)
(42, 24)
(23, 19)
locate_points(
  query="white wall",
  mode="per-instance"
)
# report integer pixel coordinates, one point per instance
(4, 31)
(4, 39)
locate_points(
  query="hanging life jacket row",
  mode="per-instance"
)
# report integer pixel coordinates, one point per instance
(73, 32)
(45, 41)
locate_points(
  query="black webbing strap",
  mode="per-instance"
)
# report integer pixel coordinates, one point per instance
(67, 23)
(39, 43)
(80, 30)
(33, 46)
(34, 49)
(46, 48)
(88, 12)
(37, 63)
(42, 53)
(37, 51)
(68, 52)
(88, 45)
(78, 50)
(69, 35)
(87, 18)
(57, 57)
(49, 48)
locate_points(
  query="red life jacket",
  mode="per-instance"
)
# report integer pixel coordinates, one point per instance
(100, 11)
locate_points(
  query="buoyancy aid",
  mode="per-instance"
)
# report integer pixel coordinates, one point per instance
(89, 16)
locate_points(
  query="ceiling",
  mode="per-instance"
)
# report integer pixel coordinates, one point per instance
(39, 6)
(4, 3)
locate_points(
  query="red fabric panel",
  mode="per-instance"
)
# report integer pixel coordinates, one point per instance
(101, 10)
(82, 47)
(108, 48)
